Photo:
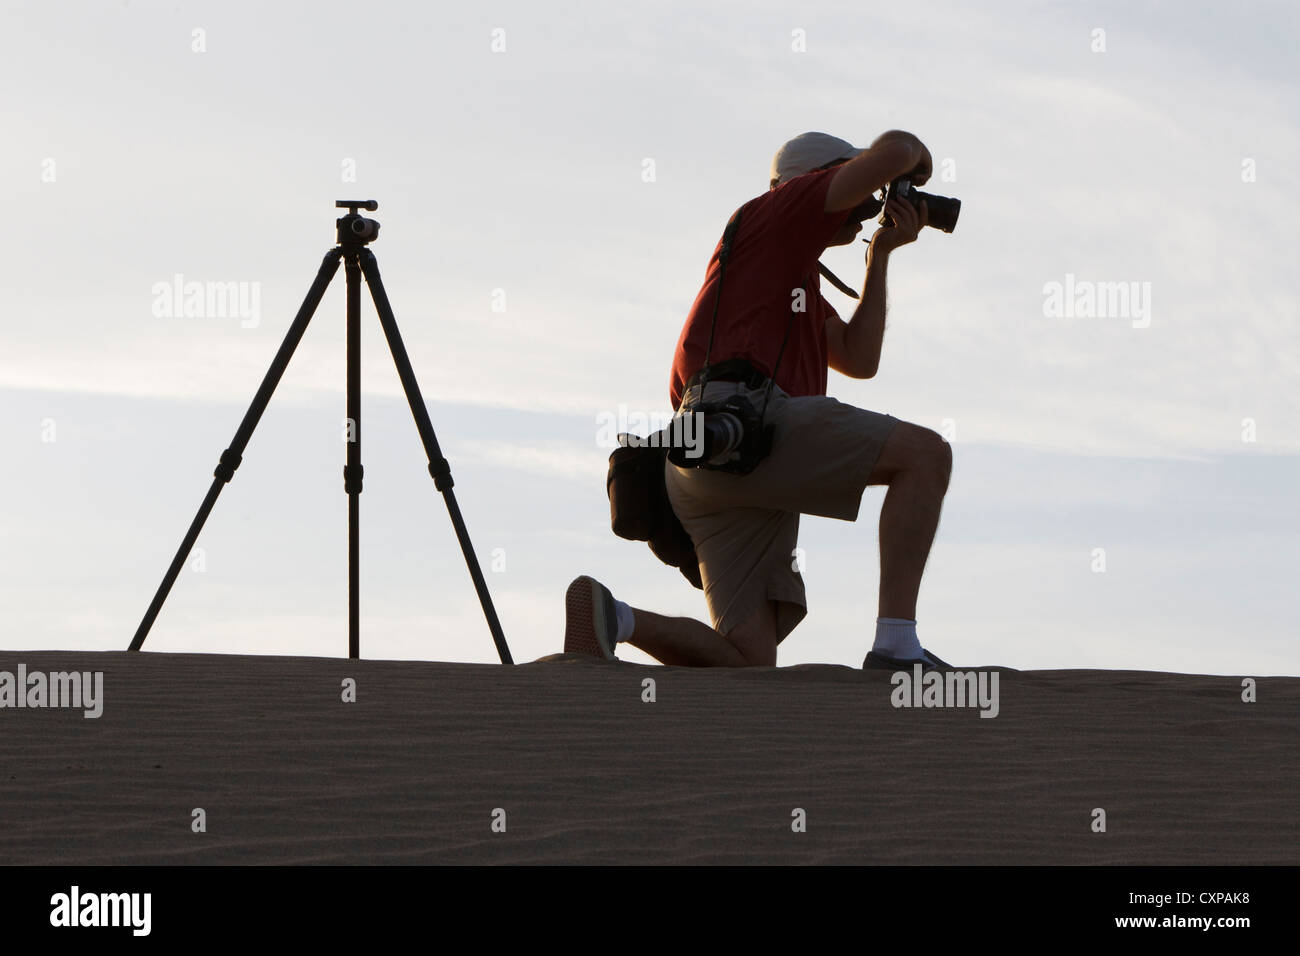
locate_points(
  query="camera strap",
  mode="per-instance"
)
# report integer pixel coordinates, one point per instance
(837, 281)
(724, 252)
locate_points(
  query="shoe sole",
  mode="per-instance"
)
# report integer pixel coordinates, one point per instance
(582, 610)
(876, 661)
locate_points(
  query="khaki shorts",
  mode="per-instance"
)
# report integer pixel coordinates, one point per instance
(746, 527)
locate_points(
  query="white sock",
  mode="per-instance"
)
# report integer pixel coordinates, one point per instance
(896, 637)
(626, 621)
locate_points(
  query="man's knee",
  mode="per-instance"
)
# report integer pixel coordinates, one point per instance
(942, 454)
(934, 457)
(757, 654)
(755, 638)
(913, 449)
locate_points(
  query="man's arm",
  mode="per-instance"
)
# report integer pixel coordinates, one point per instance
(892, 155)
(853, 347)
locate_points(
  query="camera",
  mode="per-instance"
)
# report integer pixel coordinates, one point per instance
(355, 228)
(724, 436)
(942, 209)
(727, 435)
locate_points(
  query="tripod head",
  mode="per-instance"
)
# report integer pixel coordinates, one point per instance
(354, 229)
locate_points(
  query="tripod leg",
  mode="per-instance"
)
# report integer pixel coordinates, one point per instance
(352, 471)
(439, 467)
(231, 457)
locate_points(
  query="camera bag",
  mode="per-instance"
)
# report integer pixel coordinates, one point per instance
(639, 509)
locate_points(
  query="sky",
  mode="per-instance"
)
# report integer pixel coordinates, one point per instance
(551, 182)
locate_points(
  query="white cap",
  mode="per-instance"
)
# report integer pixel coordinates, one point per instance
(806, 152)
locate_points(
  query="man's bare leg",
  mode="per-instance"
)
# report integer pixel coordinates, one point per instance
(916, 464)
(686, 642)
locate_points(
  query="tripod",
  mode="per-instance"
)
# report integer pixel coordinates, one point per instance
(354, 232)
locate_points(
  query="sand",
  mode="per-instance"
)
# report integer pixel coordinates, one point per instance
(586, 771)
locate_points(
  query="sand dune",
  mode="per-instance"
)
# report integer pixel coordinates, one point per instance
(586, 771)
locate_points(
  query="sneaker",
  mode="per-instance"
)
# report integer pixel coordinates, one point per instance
(590, 621)
(928, 662)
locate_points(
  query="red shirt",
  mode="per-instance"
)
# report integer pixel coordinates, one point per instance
(781, 235)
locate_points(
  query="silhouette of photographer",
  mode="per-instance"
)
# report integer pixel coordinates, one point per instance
(774, 338)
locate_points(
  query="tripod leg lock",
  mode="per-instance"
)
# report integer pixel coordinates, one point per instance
(352, 475)
(225, 469)
(441, 472)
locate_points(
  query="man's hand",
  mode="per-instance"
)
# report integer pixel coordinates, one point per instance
(921, 174)
(907, 225)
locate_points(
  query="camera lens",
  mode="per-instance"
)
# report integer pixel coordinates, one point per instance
(942, 210)
(364, 228)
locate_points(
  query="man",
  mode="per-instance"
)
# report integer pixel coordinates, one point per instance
(824, 452)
